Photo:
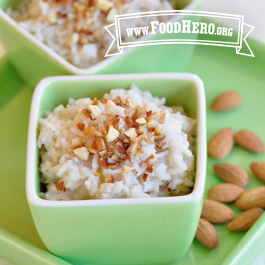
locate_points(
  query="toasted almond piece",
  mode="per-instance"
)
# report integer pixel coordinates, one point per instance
(97, 145)
(141, 120)
(121, 150)
(225, 192)
(104, 5)
(258, 169)
(89, 132)
(112, 134)
(145, 177)
(80, 126)
(88, 113)
(149, 158)
(127, 169)
(60, 186)
(111, 15)
(226, 101)
(82, 153)
(216, 212)
(140, 111)
(110, 103)
(249, 141)
(206, 234)
(232, 174)
(221, 144)
(252, 198)
(52, 18)
(245, 220)
(158, 129)
(109, 179)
(159, 137)
(95, 110)
(131, 133)
(162, 117)
(100, 131)
(97, 173)
(153, 116)
(76, 142)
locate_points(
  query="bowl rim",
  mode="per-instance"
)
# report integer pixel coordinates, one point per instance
(63, 62)
(198, 190)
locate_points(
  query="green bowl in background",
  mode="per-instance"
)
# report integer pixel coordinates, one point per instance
(34, 60)
(118, 231)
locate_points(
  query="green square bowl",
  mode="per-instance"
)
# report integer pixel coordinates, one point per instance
(34, 60)
(118, 231)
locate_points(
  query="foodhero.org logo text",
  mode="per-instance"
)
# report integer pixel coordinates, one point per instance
(185, 26)
(179, 27)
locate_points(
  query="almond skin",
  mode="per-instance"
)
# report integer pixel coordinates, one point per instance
(258, 169)
(216, 212)
(221, 143)
(252, 198)
(206, 234)
(249, 141)
(232, 174)
(226, 101)
(225, 192)
(245, 220)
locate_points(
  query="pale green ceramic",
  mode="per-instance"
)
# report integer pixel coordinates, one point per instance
(118, 231)
(34, 60)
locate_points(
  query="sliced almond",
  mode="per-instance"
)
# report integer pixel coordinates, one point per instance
(141, 120)
(258, 169)
(250, 141)
(112, 134)
(232, 174)
(216, 212)
(226, 101)
(221, 144)
(225, 192)
(158, 129)
(97, 145)
(252, 198)
(82, 153)
(159, 137)
(245, 220)
(206, 234)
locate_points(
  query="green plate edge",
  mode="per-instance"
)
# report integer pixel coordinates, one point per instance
(222, 73)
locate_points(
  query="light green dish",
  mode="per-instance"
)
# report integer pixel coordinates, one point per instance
(221, 69)
(127, 231)
(33, 60)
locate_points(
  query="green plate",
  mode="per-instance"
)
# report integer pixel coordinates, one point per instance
(220, 69)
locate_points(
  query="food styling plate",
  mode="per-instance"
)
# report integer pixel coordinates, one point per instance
(220, 69)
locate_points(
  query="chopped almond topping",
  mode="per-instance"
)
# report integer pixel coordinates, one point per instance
(141, 120)
(98, 144)
(118, 100)
(149, 158)
(131, 133)
(153, 116)
(89, 132)
(131, 113)
(158, 129)
(103, 162)
(103, 100)
(128, 121)
(97, 173)
(100, 131)
(159, 150)
(95, 100)
(159, 137)
(162, 117)
(148, 113)
(154, 164)
(112, 133)
(107, 155)
(109, 179)
(109, 116)
(95, 110)
(115, 122)
(76, 142)
(112, 166)
(127, 169)
(121, 150)
(60, 186)
(161, 144)
(140, 111)
(110, 104)
(111, 148)
(145, 177)
(140, 131)
(149, 169)
(142, 142)
(80, 126)
(127, 141)
(82, 153)
(89, 114)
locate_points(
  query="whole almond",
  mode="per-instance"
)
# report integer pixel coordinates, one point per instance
(216, 212)
(258, 169)
(245, 220)
(225, 192)
(232, 174)
(226, 101)
(249, 141)
(252, 198)
(221, 143)
(206, 234)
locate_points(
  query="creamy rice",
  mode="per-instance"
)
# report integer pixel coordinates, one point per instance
(75, 28)
(127, 145)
